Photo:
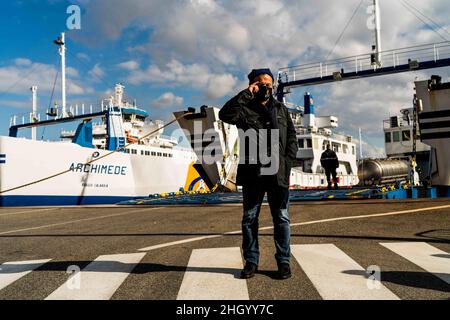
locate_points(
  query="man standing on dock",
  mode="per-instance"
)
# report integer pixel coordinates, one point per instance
(330, 163)
(256, 109)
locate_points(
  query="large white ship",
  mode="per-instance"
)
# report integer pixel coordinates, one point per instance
(82, 167)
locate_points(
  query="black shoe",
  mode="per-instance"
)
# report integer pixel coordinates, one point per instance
(249, 270)
(284, 271)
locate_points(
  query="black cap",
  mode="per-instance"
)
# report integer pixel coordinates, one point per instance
(258, 72)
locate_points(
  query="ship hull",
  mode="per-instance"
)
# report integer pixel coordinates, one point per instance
(67, 180)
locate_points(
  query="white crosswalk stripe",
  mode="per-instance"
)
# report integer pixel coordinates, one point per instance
(100, 279)
(213, 274)
(335, 275)
(10, 272)
(425, 256)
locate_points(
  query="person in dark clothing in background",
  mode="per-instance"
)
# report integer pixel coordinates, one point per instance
(256, 109)
(330, 163)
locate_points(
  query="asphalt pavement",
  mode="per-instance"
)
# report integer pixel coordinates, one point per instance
(168, 253)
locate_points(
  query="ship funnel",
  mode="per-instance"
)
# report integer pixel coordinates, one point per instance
(309, 117)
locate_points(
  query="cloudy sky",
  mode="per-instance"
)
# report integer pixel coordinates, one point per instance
(174, 54)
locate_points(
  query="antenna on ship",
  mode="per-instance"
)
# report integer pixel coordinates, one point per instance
(62, 52)
(34, 111)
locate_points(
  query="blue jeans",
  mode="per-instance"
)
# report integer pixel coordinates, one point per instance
(278, 198)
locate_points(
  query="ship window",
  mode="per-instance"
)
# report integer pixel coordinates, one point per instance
(170, 155)
(345, 148)
(309, 143)
(406, 135)
(127, 117)
(165, 155)
(396, 136)
(133, 151)
(127, 150)
(336, 147)
(142, 152)
(159, 154)
(353, 150)
(154, 154)
(388, 137)
(147, 153)
(301, 143)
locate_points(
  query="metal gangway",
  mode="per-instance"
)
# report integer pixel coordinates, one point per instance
(414, 58)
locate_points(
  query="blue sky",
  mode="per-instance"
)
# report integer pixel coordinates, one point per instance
(175, 54)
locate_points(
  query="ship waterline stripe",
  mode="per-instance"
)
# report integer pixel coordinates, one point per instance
(435, 125)
(100, 279)
(433, 130)
(435, 136)
(13, 271)
(434, 119)
(2, 156)
(434, 114)
(425, 256)
(43, 200)
(335, 275)
(2, 161)
(237, 232)
(213, 274)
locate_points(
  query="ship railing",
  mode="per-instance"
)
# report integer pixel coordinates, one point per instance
(391, 58)
(53, 113)
(387, 124)
(342, 138)
(334, 136)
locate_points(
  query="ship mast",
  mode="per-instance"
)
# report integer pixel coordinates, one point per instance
(376, 58)
(62, 52)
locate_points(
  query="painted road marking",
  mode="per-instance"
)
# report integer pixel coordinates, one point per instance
(425, 256)
(100, 279)
(28, 211)
(13, 271)
(335, 275)
(394, 213)
(75, 221)
(213, 274)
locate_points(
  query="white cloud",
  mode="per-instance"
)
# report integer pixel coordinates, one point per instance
(22, 62)
(369, 150)
(83, 56)
(18, 79)
(16, 103)
(72, 72)
(176, 74)
(220, 86)
(129, 65)
(168, 99)
(97, 73)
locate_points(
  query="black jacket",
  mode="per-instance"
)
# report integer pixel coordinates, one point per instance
(329, 160)
(244, 112)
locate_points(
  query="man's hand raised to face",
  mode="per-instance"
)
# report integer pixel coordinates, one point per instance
(254, 87)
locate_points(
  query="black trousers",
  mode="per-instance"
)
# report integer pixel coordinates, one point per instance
(278, 198)
(331, 172)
